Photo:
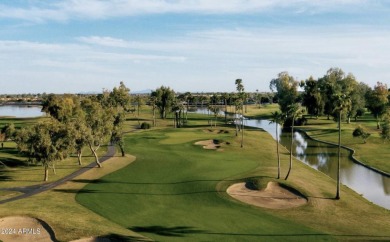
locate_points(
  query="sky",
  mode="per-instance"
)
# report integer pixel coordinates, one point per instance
(73, 46)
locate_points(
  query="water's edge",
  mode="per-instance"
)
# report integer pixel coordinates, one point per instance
(351, 153)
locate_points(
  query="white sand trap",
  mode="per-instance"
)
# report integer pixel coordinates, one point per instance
(208, 144)
(24, 229)
(274, 196)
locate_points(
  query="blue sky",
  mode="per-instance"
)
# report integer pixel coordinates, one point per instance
(190, 45)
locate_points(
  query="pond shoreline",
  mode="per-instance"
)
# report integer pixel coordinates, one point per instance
(352, 152)
(21, 104)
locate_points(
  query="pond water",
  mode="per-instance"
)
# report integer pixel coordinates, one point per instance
(372, 185)
(20, 111)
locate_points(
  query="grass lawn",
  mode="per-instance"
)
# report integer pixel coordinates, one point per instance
(21, 173)
(175, 191)
(69, 219)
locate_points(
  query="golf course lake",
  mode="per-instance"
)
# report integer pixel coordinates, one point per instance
(21, 111)
(372, 185)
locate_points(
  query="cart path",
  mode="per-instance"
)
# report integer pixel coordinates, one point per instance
(29, 191)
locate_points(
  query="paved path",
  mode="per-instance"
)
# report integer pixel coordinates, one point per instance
(35, 189)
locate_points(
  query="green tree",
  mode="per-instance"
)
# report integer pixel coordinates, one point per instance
(8, 131)
(61, 107)
(119, 97)
(177, 109)
(225, 98)
(215, 109)
(117, 132)
(165, 98)
(385, 133)
(327, 85)
(312, 98)
(378, 101)
(99, 125)
(45, 142)
(119, 104)
(277, 118)
(358, 99)
(286, 88)
(187, 98)
(139, 102)
(79, 131)
(350, 87)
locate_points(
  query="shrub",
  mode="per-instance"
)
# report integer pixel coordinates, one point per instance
(360, 132)
(145, 125)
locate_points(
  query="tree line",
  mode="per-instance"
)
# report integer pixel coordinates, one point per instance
(74, 123)
(324, 95)
(337, 95)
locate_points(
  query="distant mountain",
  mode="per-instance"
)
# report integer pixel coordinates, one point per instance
(146, 91)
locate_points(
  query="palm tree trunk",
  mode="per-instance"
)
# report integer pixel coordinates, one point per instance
(277, 150)
(154, 116)
(338, 160)
(225, 111)
(291, 148)
(242, 132)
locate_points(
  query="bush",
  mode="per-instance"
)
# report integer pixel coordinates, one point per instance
(360, 132)
(145, 125)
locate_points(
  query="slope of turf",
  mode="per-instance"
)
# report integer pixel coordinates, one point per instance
(169, 193)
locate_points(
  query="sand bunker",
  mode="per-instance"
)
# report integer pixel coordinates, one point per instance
(19, 228)
(26, 229)
(209, 144)
(274, 196)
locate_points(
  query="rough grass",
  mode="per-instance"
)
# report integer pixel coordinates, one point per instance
(175, 191)
(19, 172)
(70, 220)
(263, 112)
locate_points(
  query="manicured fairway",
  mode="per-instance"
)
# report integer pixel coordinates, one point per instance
(170, 192)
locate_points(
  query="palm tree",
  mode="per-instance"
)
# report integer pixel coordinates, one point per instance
(342, 103)
(225, 97)
(277, 118)
(294, 110)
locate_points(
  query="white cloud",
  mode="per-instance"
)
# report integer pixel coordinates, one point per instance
(39, 11)
(105, 41)
(214, 56)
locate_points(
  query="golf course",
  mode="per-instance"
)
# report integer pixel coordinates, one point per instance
(194, 121)
(172, 186)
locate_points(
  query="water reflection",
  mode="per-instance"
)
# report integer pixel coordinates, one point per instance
(323, 157)
(21, 111)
